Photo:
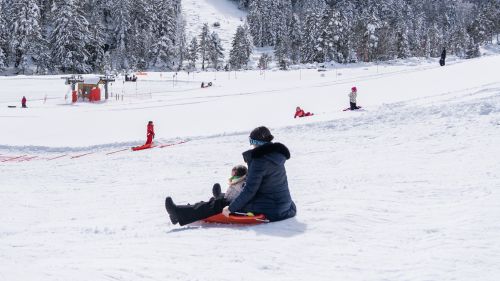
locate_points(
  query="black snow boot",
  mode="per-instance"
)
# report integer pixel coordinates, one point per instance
(216, 190)
(171, 209)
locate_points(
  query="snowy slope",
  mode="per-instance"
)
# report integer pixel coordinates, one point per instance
(405, 190)
(199, 12)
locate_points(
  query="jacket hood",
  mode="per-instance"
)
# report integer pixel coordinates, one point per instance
(275, 152)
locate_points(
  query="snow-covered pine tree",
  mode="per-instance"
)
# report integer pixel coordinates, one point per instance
(95, 46)
(402, 44)
(205, 45)
(182, 46)
(311, 50)
(248, 40)
(295, 36)
(333, 37)
(164, 46)
(42, 58)
(3, 37)
(141, 33)
(3, 65)
(192, 53)
(264, 61)
(69, 37)
(256, 21)
(471, 49)
(241, 49)
(216, 52)
(281, 51)
(25, 32)
(120, 16)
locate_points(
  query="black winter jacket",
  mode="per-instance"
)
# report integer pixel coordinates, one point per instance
(266, 189)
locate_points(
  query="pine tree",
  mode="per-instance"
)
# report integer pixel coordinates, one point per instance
(334, 36)
(181, 41)
(205, 45)
(239, 55)
(471, 49)
(95, 47)
(3, 37)
(42, 58)
(403, 48)
(68, 38)
(141, 34)
(256, 22)
(164, 46)
(192, 53)
(311, 50)
(295, 36)
(25, 31)
(3, 65)
(216, 52)
(120, 15)
(264, 61)
(281, 51)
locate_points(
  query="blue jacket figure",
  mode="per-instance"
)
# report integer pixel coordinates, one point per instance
(266, 190)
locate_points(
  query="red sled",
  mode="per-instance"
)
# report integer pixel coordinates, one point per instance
(237, 219)
(142, 147)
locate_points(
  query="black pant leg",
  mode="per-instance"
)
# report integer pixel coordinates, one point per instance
(353, 106)
(187, 214)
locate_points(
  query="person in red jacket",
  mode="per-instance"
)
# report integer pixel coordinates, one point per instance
(23, 102)
(299, 112)
(150, 133)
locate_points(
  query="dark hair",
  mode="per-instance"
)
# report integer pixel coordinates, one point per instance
(240, 170)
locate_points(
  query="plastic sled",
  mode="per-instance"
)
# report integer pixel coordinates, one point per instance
(237, 219)
(142, 147)
(347, 109)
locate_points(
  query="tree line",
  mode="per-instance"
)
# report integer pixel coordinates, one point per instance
(83, 36)
(306, 31)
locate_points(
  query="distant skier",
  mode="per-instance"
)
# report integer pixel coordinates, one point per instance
(150, 133)
(442, 61)
(23, 102)
(299, 112)
(352, 98)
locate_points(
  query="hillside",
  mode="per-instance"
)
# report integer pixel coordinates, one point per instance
(404, 190)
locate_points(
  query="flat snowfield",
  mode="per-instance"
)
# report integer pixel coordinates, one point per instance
(407, 189)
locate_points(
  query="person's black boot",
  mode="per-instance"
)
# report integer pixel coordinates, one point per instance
(171, 209)
(216, 191)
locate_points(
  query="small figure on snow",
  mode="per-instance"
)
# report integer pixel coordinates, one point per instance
(203, 85)
(236, 183)
(23, 102)
(299, 112)
(150, 133)
(443, 57)
(352, 98)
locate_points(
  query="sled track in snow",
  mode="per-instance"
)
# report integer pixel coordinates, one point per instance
(30, 153)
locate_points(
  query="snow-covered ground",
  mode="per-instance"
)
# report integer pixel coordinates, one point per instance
(407, 189)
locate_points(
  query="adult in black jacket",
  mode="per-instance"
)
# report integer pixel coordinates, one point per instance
(265, 192)
(442, 61)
